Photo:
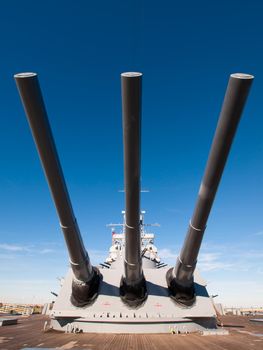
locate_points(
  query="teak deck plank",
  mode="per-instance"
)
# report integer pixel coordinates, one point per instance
(29, 333)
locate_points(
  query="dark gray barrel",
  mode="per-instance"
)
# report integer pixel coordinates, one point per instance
(180, 278)
(133, 289)
(86, 281)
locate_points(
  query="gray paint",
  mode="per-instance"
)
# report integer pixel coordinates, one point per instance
(158, 314)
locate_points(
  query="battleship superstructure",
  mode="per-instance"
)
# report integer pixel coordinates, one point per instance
(133, 292)
(149, 252)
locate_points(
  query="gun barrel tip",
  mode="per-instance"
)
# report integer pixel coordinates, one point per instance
(131, 74)
(242, 76)
(25, 75)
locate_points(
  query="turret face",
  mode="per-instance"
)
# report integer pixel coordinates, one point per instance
(85, 285)
(180, 278)
(133, 288)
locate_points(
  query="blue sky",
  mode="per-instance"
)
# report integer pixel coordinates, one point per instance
(186, 52)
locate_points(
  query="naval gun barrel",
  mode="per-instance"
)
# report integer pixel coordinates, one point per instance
(180, 278)
(86, 278)
(133, 286)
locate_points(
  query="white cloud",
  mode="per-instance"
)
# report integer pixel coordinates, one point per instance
(259, 233)
(46, 251)
(206, 261)
(221, 258)
(216, 265)
(212, 261)
(252, 254)
(13, 247)
(17, 248)
(166, 253)
(209, 257)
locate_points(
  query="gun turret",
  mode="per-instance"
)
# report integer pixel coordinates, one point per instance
(180, 278)
(86, 277)
(133, 286)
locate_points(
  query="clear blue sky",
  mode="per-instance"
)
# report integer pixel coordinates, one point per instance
(186, 51)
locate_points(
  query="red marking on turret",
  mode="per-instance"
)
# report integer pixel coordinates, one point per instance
(158, 305)
(106, 303)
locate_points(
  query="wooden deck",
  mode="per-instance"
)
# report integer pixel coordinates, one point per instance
(28, 332)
